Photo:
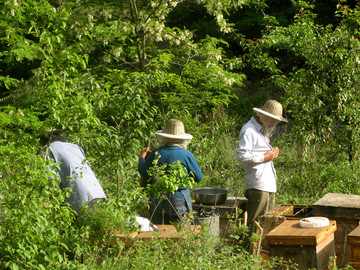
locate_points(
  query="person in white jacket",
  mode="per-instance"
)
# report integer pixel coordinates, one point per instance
(75, 173)
(257, 155)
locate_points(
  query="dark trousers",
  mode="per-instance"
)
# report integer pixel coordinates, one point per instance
(258, 204)
(169, 210)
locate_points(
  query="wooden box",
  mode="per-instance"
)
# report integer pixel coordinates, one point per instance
(353, 240)
(345, 210)
(278, 215)
(231, 210)
(307, 247)
(275, 217)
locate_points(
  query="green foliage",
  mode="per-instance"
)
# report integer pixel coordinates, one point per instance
(214, 148)
(168, 177)
(36, 231)
(326, 172)
(109, 218)
(109, 74)
(320, 80)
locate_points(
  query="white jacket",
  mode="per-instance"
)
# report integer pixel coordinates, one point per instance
(252, 147)
(76, 174)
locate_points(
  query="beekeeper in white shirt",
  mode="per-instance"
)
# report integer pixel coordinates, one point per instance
(257, 155)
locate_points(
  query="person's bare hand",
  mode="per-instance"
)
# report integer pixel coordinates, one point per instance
(272, 154)
(144, 152)
(276, 152)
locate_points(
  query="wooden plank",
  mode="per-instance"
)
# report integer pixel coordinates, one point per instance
(307, 257)
(354, 236)
(353, 240)
(343, 253)
(355, 255)
(282, 210)
(355, 265)
(342, 247)
(165, 232)
(269, 223)
(290, 233)
(292, 211)
(324, 251)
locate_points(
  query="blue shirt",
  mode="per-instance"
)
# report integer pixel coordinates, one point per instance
(168, 155)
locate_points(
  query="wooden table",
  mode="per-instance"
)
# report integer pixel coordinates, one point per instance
(166, 232)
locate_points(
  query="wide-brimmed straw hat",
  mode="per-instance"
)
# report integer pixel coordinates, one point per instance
(174, 129)
(273, 109)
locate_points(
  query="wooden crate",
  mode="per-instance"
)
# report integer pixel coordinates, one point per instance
(353, 240)
(281, 213)
(292, 211)
(338, 205)
(345, 210)
(307, 247)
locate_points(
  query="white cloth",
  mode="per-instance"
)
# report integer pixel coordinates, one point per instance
(76, 174)
(146, 225)
(252, 147)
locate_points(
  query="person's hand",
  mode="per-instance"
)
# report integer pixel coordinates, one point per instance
(144, 152)
(272, 154)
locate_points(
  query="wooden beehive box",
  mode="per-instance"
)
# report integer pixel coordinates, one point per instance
(281, 213)
(353, 239)
(345, 209)
(307, 247)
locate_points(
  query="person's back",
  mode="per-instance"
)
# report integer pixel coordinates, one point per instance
(172, 147)
(168, 154)
(76, 174)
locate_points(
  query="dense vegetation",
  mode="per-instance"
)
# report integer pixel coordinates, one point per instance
(112, 72)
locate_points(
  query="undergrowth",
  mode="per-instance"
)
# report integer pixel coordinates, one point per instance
(191, 251)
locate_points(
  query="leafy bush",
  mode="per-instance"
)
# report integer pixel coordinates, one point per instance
(168, 177)
(36, 232)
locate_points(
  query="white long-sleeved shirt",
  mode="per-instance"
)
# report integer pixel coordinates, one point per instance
(252, 147)
(76, 174)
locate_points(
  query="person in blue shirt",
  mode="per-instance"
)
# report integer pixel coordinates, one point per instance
(172, 147)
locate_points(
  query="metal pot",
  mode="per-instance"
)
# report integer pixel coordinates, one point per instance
(210, 195)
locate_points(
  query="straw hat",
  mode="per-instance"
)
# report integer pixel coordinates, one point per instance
(174, 129)
(273, 109)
